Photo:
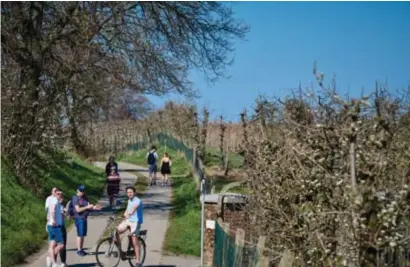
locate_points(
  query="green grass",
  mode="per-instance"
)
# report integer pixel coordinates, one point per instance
(213, 158)
(183, 235)
(219, 182)
(22, 212)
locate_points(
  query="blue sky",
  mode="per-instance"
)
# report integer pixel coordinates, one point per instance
(360, 42)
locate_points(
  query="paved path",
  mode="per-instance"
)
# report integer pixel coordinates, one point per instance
(157, 203)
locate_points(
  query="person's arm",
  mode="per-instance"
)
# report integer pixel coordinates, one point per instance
(77, 207)
(134, 207)
(96, 207)
(52, 209)
(170, 162)
(46, 208)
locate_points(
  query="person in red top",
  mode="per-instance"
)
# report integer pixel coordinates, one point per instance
(113, 187)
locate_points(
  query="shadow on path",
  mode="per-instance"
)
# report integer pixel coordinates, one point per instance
(83, 265)
(132, 170)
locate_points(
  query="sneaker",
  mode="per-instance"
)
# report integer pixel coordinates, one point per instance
(80, 253)
(84, 252)
(48, 261)
(63, 265)
(56, 265)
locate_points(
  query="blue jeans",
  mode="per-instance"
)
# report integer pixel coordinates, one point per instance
(81, 225)
(152, 168)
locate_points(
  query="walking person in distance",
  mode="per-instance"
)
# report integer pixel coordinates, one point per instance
(166, 169)
(152, 158)
(111, 165)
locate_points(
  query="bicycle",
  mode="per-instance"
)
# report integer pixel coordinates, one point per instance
(114, 252)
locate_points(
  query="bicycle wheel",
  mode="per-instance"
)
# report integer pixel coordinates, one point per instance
(107, 253)
(131, 253)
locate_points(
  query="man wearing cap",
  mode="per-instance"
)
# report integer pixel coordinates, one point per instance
(81, 210)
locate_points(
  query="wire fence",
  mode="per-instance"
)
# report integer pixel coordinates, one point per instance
(232, 249)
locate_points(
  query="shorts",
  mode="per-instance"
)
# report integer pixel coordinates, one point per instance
(152, 168)
(134, 227)
(55, 234)
(81, 225)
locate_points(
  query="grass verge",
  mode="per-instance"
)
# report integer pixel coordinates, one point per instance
(23, 233)
(213, 158)
(183, 236)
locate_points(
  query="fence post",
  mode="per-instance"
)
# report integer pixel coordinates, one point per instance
(262, 260)
(194, 156)
(225, 255)
(239, 244)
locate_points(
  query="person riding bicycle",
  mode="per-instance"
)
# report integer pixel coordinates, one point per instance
(110, 165)
(133, 220)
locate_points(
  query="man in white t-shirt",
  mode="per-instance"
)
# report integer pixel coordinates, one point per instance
(54, 228)
(53, 194)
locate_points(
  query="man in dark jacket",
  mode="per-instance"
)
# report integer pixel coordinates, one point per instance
(110, 165)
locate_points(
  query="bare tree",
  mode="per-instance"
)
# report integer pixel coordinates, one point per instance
(67, 61)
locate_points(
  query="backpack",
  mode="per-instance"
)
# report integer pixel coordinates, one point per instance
(151, 158)
(70, 210)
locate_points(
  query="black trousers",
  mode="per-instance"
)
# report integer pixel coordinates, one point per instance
(63, 252)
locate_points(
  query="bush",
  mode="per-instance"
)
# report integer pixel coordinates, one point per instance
(332, 187)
